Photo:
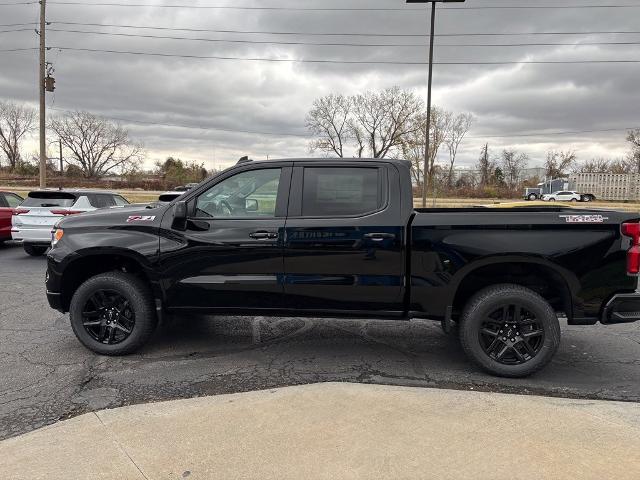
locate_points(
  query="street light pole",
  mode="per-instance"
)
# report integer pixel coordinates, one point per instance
(428, 132)
(429, 83)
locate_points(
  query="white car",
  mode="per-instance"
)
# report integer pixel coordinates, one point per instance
(32, 223)
(563, 196)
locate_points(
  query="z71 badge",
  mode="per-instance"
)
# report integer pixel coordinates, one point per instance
(141, 218)
(584, 218)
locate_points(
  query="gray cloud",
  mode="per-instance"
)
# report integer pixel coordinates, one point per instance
(274, 97)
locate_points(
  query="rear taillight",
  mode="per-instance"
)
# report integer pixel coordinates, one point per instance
(632, 230)
(633, 260)
(20, 211)
(65, 212)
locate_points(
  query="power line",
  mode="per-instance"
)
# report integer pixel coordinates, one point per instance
(17, 24)
(197, 127)
(341, 44)
(340, 34)
(339, 9)
(17, 49)
(17, 30)
(353, 62)
(233, 7)
(17, 3)
(541, 134)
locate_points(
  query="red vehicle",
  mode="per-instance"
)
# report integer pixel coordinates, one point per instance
(8, 202)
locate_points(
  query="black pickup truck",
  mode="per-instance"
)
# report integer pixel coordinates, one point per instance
(341, 238)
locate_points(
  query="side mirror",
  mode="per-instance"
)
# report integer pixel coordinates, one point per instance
(180, 216)
(251, 205)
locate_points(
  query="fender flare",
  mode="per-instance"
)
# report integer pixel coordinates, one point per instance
(571, 281)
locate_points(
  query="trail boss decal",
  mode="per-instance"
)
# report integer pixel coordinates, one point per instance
(584, 218)
(141, 218)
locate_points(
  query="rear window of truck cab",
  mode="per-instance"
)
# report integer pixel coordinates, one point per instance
(340, 191)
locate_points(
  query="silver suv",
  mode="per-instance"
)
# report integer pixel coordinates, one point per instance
(32, 223)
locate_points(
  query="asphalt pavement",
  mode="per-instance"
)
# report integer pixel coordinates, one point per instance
(46, 375)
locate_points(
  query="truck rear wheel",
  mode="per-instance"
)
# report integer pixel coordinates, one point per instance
(113, 313)
(509, 331)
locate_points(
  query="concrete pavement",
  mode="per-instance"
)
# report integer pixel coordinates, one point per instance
(337, 430)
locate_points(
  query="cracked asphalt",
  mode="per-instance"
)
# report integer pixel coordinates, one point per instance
(46, 375)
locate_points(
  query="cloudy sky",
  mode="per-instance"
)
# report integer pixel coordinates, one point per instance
(207, 104)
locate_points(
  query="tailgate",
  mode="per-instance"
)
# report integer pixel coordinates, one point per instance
(36, 217)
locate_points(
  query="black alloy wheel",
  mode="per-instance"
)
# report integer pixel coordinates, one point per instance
(113, 313)
(509, 330)
(108, 318)
(511, 335)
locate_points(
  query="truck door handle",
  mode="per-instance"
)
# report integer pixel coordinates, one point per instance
(263, 235)
(378, 237)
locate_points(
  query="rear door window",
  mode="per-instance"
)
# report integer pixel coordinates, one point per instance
(120, 201)
(340, 191)
(101, 200)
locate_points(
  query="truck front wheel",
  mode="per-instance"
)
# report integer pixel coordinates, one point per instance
(509, 331)
(113, 313)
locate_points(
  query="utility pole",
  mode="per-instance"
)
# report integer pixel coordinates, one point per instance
(43, 124)
(61, 166)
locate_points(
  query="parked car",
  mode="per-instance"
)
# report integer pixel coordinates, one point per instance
(341, 238)
(33, 222)
(8, 203)
(167, 197)
(185, 188)
(562, 196)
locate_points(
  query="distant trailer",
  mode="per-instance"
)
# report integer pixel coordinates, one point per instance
(608, 186)
(550, 186)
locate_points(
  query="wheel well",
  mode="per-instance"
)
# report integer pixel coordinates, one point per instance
(87, 267)
(543, 280)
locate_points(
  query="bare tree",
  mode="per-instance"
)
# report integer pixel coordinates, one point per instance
(559, 163)
(634, 155)
(620, 165)
(329, 121)
(95, 145)
(413, 143)
(460, 125)
(16, 121)
(382, 119)
(512, 164)
(595, 165)
(440, 126)
(485, 167)
(412, 149)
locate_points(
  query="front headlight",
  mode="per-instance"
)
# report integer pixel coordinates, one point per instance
(56, 236)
